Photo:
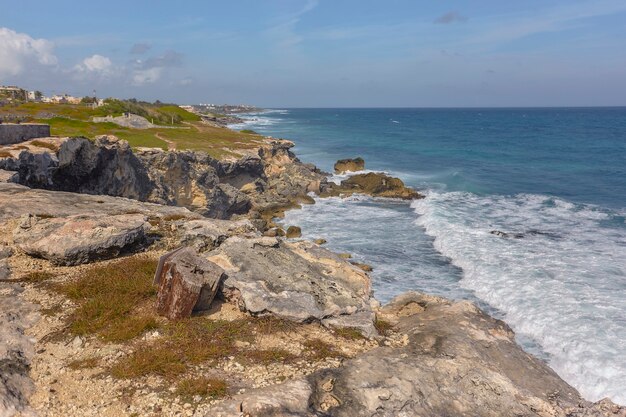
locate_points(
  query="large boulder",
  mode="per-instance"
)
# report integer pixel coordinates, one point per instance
(296, 281)
(187, 283)
(80, 239)
(349, 165)
(457, 361)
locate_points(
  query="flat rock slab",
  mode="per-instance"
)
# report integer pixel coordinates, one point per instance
(187, 282)
(17, 200)
(457, 361)
(207, 234)
(299, 281)
(80, 239)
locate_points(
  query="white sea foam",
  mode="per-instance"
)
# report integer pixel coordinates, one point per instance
(562, 283)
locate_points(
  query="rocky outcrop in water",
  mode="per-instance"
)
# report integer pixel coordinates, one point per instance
(375, 184)
(349, 165)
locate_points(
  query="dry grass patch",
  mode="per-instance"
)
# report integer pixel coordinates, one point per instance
(5, 154)
(318, 349)
(383, 327)
(185, 342)
(36, 277)
(349, 333)
(84, 363)
(203, 386)
(110, 297)
(267, 356)
(46, 145)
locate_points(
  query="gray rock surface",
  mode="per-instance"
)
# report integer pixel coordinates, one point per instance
(211, 187)
(80, 239)
(207, 234)
(17, 200)
(296, 281)
(16, 351)
(457, 361)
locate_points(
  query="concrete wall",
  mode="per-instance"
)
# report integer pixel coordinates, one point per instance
(14, 133)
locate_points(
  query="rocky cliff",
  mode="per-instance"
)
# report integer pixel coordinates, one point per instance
(214, 188)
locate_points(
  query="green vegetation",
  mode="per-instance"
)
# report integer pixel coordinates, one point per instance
(187, 131)
(111, 299)
(249, 131)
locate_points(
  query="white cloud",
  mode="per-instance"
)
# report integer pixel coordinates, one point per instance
(95, 64)
(19, 51)
(146, 76)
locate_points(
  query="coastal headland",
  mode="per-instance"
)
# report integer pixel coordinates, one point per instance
(293, 329)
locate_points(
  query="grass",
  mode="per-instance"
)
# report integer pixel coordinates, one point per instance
(318, 349)
(267, 356)
(36, 277)
(46, 145)
(5, 154)
(383, 327)
(349, 333)
(249, 131)
(203, 387)
(75, 120)
(185, 342)
(110, 297)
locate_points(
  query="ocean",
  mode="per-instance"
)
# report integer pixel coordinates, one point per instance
(552, 180)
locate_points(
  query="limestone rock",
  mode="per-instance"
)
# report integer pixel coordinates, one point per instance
(285, 400)
(299, 281)
(379, 185)
(293, 232)
(17, 200)
(80, 239)
(224, 201)
(187, 282)
(207, 234)
(345, 165)
(457, 361)
(8, 176)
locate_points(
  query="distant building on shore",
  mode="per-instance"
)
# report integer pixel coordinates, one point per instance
(65, 98)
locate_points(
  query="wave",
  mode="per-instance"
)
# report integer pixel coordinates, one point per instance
(556, 270)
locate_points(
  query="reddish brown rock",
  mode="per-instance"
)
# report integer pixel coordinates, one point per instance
(187, 283)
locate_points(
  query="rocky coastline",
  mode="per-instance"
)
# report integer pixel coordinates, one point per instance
(293, 331)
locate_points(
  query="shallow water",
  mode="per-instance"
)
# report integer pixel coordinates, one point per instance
(553, 180)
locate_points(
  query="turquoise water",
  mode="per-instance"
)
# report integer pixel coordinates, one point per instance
(555, 178)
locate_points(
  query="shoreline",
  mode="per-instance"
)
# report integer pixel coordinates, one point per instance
(284, 168)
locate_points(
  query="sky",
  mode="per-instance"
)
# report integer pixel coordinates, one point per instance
(321, 53)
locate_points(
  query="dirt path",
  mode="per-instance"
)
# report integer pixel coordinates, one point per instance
(171, 146)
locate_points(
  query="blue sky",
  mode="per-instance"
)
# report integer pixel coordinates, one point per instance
(324, 53)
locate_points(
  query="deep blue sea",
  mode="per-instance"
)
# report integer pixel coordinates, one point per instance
(553, 179)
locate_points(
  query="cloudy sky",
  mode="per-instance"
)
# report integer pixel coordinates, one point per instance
(321, 53)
